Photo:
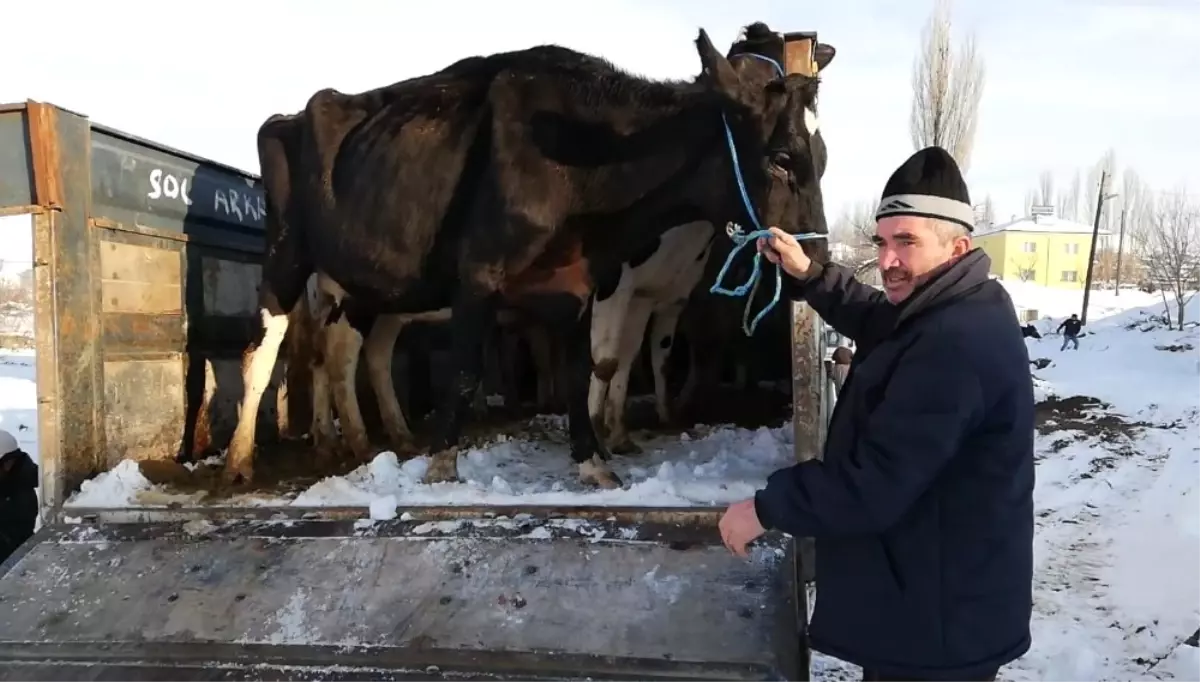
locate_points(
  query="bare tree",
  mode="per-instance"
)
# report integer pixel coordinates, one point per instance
(851, 234)
(1135, 204)
(1026, 266)
(16, 313)
(1068, 202)
(1170, 248)
(1107, 163)
(947, 86)
(1046, 188)
(989, 212)
(1031, 198)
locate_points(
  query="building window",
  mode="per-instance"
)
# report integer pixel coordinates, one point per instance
(1029, 247)
(1071, 248)
(1070, 275)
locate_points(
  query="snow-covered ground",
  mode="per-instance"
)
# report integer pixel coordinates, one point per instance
(1118, 446)
(18, 397)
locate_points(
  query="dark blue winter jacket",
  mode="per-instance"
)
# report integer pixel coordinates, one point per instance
(922, 509)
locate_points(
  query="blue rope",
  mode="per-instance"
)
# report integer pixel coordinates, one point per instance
(741, 239)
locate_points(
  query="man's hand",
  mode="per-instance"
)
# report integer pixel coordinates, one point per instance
(782, 249)
(740, 526)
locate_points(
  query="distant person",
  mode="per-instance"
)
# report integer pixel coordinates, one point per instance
(18, 495)
(842, 358)
(922, 507)
(1070, 330)
(1030, 331)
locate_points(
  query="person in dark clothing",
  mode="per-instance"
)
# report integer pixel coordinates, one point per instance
(922, 507)
(1070, 330)
(18, 495)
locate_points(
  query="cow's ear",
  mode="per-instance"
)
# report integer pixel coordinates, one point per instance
(825, 54)
(717, 72)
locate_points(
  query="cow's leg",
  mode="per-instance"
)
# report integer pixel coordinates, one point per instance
(379, 348)
(421, 395)
(587, 451)
(342, 345)
(707, 348)
(609, 311)
(509, 350)
(324, 439)
(662, 339)
(634, 329)
(471, 320)
(688, 390)
(257, 367)
(542, 354)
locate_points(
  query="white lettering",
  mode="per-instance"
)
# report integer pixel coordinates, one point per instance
(168, 185)
(239, 205)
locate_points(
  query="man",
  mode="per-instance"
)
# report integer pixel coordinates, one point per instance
(922, 508)
(18, 495)
(1070, 330)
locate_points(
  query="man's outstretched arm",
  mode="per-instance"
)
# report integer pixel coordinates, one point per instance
(852, 308)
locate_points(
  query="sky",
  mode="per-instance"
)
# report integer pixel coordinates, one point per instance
(1065, 79)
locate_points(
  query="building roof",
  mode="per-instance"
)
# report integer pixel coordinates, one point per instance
(1043, 225)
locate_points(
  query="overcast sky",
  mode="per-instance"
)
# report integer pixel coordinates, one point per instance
(1066, 79)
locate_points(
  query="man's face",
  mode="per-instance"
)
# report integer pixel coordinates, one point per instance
(909, 249)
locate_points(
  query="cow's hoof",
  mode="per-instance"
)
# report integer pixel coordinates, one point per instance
(625, 446)
(404, 448)
(363, 457)
(238, 472)
(443, 467)
(596, 472)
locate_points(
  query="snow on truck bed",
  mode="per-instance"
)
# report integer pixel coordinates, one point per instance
(1117, 553)
(709, 465)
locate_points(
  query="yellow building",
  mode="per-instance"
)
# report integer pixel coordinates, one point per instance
(1044, 250)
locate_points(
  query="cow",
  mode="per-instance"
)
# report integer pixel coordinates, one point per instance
(653, 285)
(712, 323)
(657, 285)
(518, 179)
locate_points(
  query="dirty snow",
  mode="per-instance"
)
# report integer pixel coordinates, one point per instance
(721, 465)
(1117, 592)
(715, 466)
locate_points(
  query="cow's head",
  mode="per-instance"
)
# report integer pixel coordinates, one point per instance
(775, 127)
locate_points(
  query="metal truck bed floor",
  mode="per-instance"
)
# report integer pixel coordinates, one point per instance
(545, 598)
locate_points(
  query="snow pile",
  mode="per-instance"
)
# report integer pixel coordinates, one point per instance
(720, 465)
(116, 488)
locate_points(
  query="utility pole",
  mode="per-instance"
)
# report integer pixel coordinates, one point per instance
(1120, 246)
(1087, 281)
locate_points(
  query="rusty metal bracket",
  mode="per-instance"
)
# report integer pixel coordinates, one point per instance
(43, 145)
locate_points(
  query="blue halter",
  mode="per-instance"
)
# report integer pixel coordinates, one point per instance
(741, 239)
